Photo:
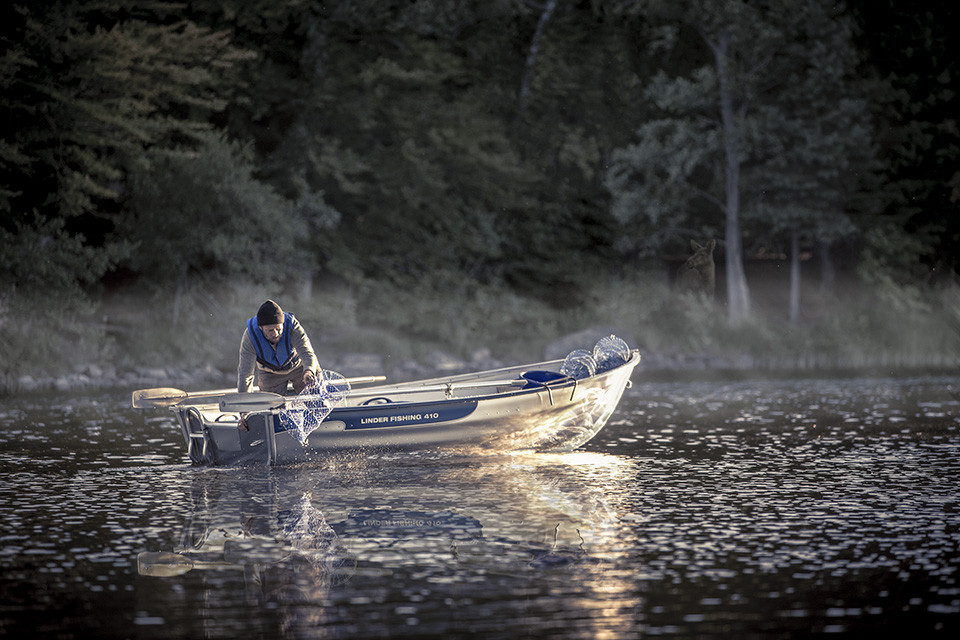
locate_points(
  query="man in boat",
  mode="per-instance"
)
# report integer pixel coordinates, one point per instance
(277, 350)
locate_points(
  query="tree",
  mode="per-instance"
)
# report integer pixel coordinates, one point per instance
(204, 216)
(719, 108)
(407, 140)
(580, 99)
(814, 152)
(911, 47)
(88, 88)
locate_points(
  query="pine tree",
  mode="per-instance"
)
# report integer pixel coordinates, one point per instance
(738, 130)
(90, 89)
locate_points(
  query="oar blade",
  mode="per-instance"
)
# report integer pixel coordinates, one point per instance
(252, 401)
(160, 397)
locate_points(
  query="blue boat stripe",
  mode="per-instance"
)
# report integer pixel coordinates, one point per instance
(398, 415)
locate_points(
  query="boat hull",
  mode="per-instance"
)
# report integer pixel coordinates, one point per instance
(550, 412)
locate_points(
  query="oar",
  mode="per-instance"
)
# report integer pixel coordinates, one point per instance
(264, 401)
(167, 397)
(167, 565)
(163, 564)
(251, 402)
(253, 552)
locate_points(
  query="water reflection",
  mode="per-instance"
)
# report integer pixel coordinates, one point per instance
(703, 509)
(301, 542)
(816, 506)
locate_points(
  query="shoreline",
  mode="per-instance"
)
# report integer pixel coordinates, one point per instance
(655, 367)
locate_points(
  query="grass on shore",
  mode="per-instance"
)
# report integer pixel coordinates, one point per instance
(202, 325)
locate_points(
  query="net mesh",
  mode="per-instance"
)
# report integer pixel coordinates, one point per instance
(578, 364)
(610, 352)
(304, 413)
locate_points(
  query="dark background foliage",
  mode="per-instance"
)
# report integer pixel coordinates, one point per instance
(473, 150)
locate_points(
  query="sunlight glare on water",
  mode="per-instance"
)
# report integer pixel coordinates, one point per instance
(703, 509)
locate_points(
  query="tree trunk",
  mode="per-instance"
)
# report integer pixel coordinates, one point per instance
(794, 277)
(306, 287)
(548, 10)
(828, 273)
(178, 297)
(738, 295)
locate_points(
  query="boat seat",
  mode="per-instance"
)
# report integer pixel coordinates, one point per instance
(541, 377)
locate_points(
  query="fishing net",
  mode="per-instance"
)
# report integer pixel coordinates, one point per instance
(304, 413)
(610, 352)
(312, 544)
(305, 527)
(578, 364)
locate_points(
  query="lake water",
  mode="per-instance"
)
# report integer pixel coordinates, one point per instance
(704, 509)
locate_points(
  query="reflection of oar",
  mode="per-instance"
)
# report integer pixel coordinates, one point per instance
(263, 401)
(167, 397)
(163, 564)
(268, 552)
(255, 551)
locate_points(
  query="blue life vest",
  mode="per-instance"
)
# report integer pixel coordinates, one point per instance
(281, 358)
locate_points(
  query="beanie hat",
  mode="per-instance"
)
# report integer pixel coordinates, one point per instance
(269, 313)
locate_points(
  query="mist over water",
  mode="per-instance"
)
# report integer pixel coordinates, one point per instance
(737, 509)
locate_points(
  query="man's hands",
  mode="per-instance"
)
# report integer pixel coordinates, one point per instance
(309, 379)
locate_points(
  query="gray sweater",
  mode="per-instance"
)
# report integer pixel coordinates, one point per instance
(299, 343)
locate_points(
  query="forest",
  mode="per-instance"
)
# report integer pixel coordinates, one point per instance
(408, 175)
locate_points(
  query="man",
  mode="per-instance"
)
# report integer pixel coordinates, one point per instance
(275, 348)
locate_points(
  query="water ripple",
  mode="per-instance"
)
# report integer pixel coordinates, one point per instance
(737, 509)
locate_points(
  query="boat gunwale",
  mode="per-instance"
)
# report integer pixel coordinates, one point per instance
(414, 387)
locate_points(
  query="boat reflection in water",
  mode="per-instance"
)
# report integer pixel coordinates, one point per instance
(371, 532)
